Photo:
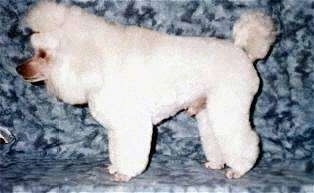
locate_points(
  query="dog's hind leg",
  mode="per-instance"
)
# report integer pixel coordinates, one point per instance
(228, 113)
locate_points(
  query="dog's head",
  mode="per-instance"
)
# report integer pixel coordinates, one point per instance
(66, 72)
(67, 64)
(54, 64)
(37, 68)
(44, 19)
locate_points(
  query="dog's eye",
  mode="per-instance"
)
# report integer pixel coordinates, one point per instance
(28, 31)
(42, 54)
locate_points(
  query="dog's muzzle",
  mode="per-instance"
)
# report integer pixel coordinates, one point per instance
(31, 70)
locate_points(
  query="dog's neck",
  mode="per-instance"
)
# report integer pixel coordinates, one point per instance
(70, 86)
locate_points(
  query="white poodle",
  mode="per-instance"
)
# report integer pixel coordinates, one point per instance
(132, 78)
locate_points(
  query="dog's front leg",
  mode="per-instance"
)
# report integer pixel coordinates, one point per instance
(129, 146)
(129, 132)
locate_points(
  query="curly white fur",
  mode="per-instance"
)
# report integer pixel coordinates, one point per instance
(133, 78)
(254, 32)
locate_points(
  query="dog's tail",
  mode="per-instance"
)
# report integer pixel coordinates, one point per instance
(254, 32)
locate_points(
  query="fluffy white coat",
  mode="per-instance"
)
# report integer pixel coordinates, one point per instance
(133, 78)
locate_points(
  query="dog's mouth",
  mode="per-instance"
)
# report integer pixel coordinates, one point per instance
(34, 79)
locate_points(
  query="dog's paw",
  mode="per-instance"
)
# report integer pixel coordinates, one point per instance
(214, 166)
(117, 177)
(111, 169)
(231, 174)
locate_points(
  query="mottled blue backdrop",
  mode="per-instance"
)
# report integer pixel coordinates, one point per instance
(57, 147)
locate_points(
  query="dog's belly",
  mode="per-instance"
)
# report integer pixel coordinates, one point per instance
(169, 107)
(166, 111)
(176, 90)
